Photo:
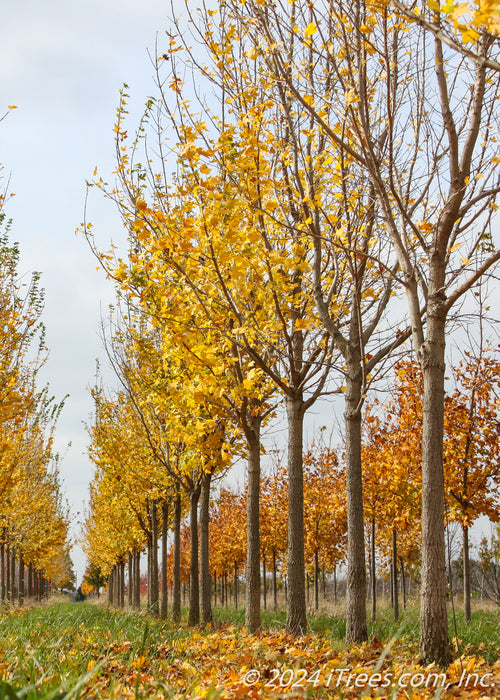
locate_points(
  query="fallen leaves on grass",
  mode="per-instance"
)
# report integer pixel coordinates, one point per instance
(175, 663)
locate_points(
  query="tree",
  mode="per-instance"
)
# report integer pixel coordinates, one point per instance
(273, 525)
(324, 511)
(472, 447)
(251, 293)
(33, 520)
(423, 137)
(327, 205)
(486, 571)
(460, 26)
(94, 577)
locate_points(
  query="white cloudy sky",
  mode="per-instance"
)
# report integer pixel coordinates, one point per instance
(62, 63)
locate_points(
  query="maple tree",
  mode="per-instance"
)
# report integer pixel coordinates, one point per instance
(326, 204)
(325, 516)
(392, 478)
(182, 442)
(268, 329)
(228, 534)
(434, 177)
(33, 521)
(295, 213)
(273, 525)
(471, 447)
(392, 451)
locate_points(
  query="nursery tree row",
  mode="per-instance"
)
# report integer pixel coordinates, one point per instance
(312, 186)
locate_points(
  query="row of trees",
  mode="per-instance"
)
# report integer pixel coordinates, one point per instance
(392, 488)
(33, 519)
(346, 161)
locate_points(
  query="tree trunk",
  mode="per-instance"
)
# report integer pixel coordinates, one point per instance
(403, 581)
(130, 580)
(264, 579)
(13, 574)
(374, 574)
(236, 585)
(194, 586)
(137, 579)
(153, 568)
(356, 630)
(111, 584)
(164, 552)
(21, 579)
(30, 580)
(392, 584)
(2, 571)
(176, 592)
(7, 573)
(122, 584)
(335, 585)
(252, 611)
(395, 596)
(316, 580)
(296, 620)
(465, 535)
(275, 582)
(205, 593)
(117, 580)
(434, 640)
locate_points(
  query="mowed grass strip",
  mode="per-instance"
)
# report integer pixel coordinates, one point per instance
(79, 650)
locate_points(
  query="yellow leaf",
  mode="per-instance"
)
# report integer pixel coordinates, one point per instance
(470, 36)
(310, 29)
(350, 96)
(425, 226)
(303, 324)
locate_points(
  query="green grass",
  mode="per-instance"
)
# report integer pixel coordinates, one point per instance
(64, 646)
(80, 650)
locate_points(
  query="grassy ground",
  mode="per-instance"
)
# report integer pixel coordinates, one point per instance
(81, 650)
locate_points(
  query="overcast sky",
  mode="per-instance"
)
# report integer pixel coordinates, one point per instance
(63, 63)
